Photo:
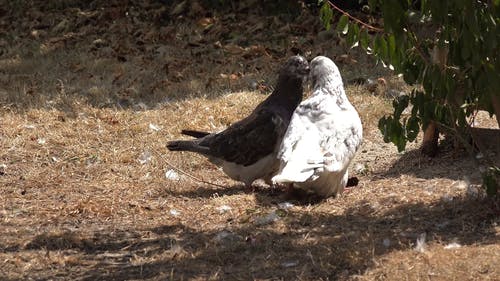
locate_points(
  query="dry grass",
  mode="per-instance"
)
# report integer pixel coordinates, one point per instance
(76, 203)
(84, 196)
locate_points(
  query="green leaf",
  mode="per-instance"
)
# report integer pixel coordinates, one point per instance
(355, 31)
(383, 126)
(342, 25)
(352, 35)
(400, 104)
(467, 46)
(393, 55)
(439, 11)
(461, 117)
(326, 15)
(401, 144)
(490, 41)
(410, 71)
(393, 132)
(381, 49)
(471, 23)
(398, 136)
(363, 38)
(469, 30)
(393, 14)
(412, 128)
(491, 181)
(418, 102)
(427, 80)
(391, 41)
(423, 6)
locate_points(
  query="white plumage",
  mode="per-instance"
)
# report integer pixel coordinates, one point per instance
(323, 136)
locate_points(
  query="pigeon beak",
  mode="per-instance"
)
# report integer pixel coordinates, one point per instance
(306, 70)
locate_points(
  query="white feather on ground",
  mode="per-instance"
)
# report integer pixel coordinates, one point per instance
(323, 136)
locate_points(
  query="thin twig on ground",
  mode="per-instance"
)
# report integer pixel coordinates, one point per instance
(186, 173)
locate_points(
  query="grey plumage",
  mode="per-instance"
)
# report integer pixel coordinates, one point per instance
(246, 150)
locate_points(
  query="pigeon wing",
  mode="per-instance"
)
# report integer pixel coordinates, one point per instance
(248, 140)
(300, 151)
(320, 137)
(340, 146)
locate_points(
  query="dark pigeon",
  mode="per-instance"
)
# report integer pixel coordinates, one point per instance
(247, 149)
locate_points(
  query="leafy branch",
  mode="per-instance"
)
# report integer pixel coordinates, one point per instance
(449, 48)
(371, 27)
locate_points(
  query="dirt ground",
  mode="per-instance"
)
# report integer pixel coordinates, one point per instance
(90, 92)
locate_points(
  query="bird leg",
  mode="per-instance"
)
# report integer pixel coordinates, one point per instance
(250, 188)
(287, 188)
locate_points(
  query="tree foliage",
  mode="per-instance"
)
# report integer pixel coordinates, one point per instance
(449, 48)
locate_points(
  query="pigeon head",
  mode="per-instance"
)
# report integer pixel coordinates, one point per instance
(295, 67)
(289, 88)
(324, 73)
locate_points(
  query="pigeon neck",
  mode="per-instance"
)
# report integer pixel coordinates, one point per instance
(289, 91)
(333, 87)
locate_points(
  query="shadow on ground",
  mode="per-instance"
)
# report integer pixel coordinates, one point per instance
(303, 246)
(455, 164)
(122, 56)
(138, 54)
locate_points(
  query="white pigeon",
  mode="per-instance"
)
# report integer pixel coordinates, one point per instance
(323, 136)
(247, 149)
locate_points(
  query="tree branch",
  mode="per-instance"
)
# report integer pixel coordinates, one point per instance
(354, 18)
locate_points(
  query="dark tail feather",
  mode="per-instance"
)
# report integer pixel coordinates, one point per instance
(186, 146)
(195, 134)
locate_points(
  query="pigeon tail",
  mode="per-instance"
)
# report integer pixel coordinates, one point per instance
(194, 133)
(187, 146)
